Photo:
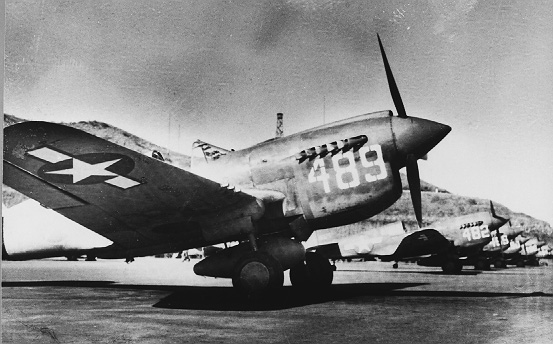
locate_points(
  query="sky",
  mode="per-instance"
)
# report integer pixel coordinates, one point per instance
(176, 71)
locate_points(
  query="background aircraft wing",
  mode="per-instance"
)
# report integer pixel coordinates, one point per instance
(129, 198)
(417, 243)
(389, 247)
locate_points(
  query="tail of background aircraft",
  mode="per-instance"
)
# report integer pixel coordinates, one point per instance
(203, 153)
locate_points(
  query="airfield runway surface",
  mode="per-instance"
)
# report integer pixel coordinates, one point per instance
(162, 301)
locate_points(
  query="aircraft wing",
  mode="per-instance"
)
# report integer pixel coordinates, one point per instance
(389, 247)
(134, 200)
(416, 244)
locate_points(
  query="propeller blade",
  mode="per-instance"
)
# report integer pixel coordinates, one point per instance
(492, 210)
(414, 186)
(394, 91)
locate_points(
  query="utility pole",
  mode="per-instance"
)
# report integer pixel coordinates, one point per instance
(324, 109)
(280, 125)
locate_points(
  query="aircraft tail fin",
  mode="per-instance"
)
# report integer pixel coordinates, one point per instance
(203, 153)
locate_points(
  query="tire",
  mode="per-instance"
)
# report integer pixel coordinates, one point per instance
(452, 265)
(257, 273)
(482, 264)
(458, 267)
(299, 276)
(499, 264)
(315, 272)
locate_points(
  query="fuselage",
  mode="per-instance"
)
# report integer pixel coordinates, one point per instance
(472, 230)
(531, 247)
(331, 175)
(501, 241)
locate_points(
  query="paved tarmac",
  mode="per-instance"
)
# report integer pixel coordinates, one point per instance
(162, 301)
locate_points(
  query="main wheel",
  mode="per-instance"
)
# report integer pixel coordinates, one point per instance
(500, 264)
(452, 265)
(482, 264)
(256, 273)
(315, 272)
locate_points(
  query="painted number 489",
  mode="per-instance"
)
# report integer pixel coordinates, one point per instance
(347, 175)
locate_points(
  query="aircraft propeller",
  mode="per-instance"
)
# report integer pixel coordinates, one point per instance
(411, 160)
(392, 83)
(415, 186)
(492, 211)
(497, 233)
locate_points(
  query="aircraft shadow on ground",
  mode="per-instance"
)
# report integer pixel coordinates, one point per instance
(226, 298)
(288, 297)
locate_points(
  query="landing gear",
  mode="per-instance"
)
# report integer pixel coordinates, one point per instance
(452, 265)
(257, 273)
(255, 267)
(533, 262)
(395, 266)
(315, 272)
(500, 264)
(482, 264)
(520, 263)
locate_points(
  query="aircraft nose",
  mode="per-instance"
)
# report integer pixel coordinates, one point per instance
(514, 247)
(417, 136)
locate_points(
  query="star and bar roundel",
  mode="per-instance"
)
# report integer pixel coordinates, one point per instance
(85, 169)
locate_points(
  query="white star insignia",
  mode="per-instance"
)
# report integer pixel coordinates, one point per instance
(82, 170)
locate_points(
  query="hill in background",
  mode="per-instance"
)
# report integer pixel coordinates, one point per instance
(120, 137)
(437, 203)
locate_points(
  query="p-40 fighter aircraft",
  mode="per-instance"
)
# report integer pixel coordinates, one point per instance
(468, 234)
(502, 247)
(269, 197)
(388, 243)
(544, 252)
(529, 250)
(444, 242)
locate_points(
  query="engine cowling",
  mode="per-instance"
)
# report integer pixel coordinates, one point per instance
(222, 264)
